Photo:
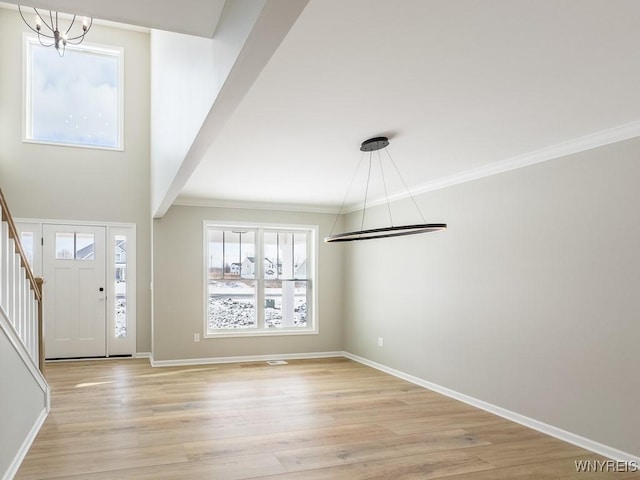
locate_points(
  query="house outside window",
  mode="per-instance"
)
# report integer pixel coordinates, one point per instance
(76, 100)
(245, 296)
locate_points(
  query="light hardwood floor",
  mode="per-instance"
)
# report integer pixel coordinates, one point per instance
(311, 419)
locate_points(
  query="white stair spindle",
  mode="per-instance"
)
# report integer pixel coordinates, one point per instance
(4, 301)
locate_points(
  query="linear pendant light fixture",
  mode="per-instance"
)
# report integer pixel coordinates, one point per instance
(369, 146)
(47, 27)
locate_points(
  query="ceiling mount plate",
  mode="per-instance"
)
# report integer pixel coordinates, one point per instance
(373, 144)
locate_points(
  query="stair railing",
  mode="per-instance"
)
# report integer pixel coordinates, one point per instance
(20, 291)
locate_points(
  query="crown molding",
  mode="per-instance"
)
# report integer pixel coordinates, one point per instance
(570, 147)
(576, 145)
(285, 207)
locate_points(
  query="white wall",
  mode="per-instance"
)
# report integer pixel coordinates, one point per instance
(70, 183)
(178, 287)
(187, 74)
(529, 301)
(183, 87)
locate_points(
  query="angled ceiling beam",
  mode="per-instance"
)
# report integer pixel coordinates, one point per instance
(273, 22)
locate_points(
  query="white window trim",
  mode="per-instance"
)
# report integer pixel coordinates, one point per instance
(29, 40)
(125, 345)
(261, 331)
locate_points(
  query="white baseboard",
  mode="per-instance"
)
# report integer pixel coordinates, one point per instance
(142, 355)
(26, 445)
(545, 428)
(244, 359)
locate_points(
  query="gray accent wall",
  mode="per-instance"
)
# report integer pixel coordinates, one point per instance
(178, 284)
(82, 184)
(529, 301)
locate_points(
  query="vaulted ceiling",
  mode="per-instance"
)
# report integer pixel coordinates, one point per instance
(458, 86)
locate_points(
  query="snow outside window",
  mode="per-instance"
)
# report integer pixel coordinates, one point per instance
(76, 99)
(259, 280)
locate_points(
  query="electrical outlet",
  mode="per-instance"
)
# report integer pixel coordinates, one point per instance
(380, 342)
(196, 337)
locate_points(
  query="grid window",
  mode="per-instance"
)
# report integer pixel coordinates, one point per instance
(258, 279)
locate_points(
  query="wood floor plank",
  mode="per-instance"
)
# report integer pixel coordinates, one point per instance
(283, 441)
(413, 467)
(310, 419)
(526, 451)
(231, 429)
(407, 412)
(368, 450)
(503, 432)
(233, 468)
(84, 443)
(442, 422)
(54, 466)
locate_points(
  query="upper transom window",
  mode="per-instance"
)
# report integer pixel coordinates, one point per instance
(75, 99)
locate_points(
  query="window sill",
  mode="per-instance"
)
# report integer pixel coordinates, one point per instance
(118, 148)
(259, 333)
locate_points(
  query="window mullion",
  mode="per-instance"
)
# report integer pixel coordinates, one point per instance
(260, 278)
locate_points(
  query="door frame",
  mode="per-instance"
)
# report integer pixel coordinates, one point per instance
(114, 346)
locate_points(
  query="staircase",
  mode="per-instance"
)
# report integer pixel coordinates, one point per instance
(24, 392)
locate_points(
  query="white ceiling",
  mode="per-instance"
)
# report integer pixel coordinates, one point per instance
(192, 17)
(456, 85)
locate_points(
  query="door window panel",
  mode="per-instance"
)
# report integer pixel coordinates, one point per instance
(85, 246)
(75, 246)
(65, 248)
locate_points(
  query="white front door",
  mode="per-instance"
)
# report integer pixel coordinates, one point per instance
(75, 309)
